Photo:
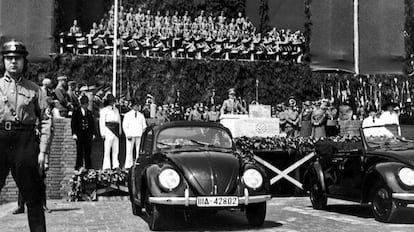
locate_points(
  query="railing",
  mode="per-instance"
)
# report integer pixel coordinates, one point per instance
(178, 47)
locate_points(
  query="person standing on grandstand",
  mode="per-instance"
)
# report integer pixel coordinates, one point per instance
(134, 125)
(231, 105)
(72, 94)
(83, 132)
(318, 120)
(63, 103)
(292, 119)
(195, 114)
(22, 150)
(110, 128)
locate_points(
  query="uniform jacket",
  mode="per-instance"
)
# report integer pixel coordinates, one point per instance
(26, 99)
(108, 114)
(134, 124)
(230, 106)
(63, 98)
(82, 125)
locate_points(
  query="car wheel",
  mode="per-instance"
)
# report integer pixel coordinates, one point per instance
(256, 213)
(383, 206)
(136, 209)
(158, 216)
(317, 196)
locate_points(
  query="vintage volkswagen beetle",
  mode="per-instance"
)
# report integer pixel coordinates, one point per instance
(194, 166)
(378, 169)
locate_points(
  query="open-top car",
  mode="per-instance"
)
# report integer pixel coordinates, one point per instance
(194, 166)
(378, 169)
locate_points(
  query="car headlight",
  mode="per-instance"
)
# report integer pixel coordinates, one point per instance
(406, 176)
(169, 179)
(252, 178)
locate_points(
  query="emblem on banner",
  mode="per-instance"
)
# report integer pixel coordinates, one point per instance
(260, 128)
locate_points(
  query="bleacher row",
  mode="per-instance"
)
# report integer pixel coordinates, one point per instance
(176, 36)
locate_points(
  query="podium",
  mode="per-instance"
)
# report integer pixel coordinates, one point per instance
(243, 125)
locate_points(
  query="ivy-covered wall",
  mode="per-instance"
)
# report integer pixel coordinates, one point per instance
(196, 78)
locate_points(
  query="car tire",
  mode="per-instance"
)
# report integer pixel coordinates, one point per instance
(256, 213)
(317, 195)
(383, 206)
(136, 209)
(158, 215)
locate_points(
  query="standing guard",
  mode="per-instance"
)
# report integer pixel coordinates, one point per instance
(22, 150)
(83, 132)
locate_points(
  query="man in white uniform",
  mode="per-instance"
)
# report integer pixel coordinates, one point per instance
(134, 125)
(110, 128)
(389, 116)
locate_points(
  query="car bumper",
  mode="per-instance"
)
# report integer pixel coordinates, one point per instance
(191, 201)
(403, 196)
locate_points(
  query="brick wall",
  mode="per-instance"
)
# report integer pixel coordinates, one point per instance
(61, 165)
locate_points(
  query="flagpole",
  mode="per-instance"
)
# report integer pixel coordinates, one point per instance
(115, 46)
(356, 37)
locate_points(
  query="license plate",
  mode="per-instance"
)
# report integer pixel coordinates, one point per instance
(217, 201)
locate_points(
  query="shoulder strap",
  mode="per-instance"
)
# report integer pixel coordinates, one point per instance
(7, 103)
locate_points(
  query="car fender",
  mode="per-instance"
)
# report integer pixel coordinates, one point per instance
(151, 174)
(314, 168)
(382, 172)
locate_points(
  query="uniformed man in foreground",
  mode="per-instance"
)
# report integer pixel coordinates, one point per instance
(24, 132)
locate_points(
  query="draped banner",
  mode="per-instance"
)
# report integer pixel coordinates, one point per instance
(253, 11)
(288, 14)
(30, 22)
(381, 26)
(332, 39)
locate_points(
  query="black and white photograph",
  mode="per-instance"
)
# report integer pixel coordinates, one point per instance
(207, 115)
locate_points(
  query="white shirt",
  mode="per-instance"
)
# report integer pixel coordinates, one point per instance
(389, 118)
(108, 114)
(371, 121)
(375, 131)
(83, 112)
(134, 124)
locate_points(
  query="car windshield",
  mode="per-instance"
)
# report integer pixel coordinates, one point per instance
(389, 137)
(197, 136)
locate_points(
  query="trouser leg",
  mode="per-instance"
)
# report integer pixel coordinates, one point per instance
(107, 152)
(25, 172)
(44, 190)
(88, 149)
(79, 153)
(137, 146)
(129, 151)
(4, 162)
(115, 152)
(20, 201)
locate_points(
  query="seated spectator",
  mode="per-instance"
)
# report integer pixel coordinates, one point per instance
(75, 29)
(204, 37)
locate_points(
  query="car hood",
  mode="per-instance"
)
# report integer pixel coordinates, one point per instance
(208, 172)
(405, 156)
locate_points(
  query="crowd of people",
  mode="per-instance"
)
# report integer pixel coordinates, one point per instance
(203, 36)
(311, 118)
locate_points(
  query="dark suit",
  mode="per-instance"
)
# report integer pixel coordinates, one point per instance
(84, 128)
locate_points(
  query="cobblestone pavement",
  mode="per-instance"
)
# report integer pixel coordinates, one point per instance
(284, 214)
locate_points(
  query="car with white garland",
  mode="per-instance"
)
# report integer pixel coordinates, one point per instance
(194, 166)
